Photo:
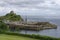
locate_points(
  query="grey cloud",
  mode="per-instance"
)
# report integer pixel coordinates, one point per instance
(32, 4)
(22, 3)
(26, 3)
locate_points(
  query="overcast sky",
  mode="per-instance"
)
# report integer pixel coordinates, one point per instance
(46, 8)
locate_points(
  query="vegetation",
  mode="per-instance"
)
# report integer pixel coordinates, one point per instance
(3, 26)
(11, 17)
(39, 37)
(17, 36)
(45, 24)
(4, 35)
(11, 37)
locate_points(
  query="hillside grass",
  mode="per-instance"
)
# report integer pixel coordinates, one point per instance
(12, 37)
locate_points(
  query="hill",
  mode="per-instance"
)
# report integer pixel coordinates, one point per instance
(11, 17)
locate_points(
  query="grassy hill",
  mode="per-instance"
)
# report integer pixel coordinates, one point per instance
(11, 17)
(11, 37)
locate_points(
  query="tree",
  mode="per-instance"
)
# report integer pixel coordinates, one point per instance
(3, 26)
(13, 17)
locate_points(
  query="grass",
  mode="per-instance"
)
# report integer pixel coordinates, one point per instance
(11, 37)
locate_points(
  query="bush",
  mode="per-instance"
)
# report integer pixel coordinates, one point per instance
(3, 26)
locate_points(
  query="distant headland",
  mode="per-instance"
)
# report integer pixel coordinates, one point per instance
(16, 21)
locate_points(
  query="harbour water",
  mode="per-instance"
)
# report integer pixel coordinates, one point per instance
(47, 32)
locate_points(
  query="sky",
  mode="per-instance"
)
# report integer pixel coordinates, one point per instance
(45, 8)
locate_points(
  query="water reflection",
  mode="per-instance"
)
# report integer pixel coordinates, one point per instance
(48, 32)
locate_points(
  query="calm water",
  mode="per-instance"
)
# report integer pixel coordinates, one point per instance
(48, 32)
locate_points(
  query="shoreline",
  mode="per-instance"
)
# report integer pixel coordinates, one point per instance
(32, 26)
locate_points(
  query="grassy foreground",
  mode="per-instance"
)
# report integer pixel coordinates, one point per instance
(11, 37)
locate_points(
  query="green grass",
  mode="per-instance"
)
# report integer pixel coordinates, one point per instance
(11, 37)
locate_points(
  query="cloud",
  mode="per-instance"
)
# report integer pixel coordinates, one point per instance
(47, 8)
